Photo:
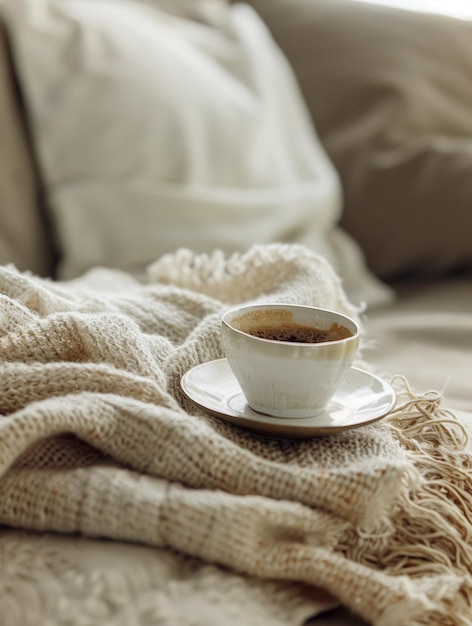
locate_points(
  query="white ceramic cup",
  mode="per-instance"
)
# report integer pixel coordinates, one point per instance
(288, 377)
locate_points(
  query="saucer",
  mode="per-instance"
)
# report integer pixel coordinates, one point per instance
(362, 398)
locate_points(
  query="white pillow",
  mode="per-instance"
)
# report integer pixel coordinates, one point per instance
(155, 132)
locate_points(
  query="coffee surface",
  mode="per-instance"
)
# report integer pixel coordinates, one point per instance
(299, 333)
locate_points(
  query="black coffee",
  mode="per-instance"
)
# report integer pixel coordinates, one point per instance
(299, 333)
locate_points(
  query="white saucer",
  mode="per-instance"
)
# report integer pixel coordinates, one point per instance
(362, 398)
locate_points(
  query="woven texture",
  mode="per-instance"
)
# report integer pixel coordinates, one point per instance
(97, 438)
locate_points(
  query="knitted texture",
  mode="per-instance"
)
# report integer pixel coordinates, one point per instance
(97, 438)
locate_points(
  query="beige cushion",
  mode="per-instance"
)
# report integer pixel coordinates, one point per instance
(391, 95)
(23, 236)
(155, 131)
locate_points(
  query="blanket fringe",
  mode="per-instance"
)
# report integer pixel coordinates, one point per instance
(429, 537)
(276, 269)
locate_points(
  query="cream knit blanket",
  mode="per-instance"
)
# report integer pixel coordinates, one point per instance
(97, 438)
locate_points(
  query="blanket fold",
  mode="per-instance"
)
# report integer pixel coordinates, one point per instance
(97, 438)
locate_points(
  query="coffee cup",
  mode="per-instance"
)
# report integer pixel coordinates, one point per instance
(289, 360)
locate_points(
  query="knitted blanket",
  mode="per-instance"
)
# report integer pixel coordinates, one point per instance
(97, 439)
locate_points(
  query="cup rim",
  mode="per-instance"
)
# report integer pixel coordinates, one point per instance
(240, 310)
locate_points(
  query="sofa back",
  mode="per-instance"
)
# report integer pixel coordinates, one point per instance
(24, 237)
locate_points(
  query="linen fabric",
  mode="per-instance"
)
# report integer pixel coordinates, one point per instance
(155, 132)
(427, 336)
(97, 438)
(390, 92)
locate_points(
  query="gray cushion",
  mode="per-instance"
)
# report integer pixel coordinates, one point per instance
(391, 95)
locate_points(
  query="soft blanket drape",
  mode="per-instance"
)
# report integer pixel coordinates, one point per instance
(96, 438)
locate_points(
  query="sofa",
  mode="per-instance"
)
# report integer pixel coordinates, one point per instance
(136, 229)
